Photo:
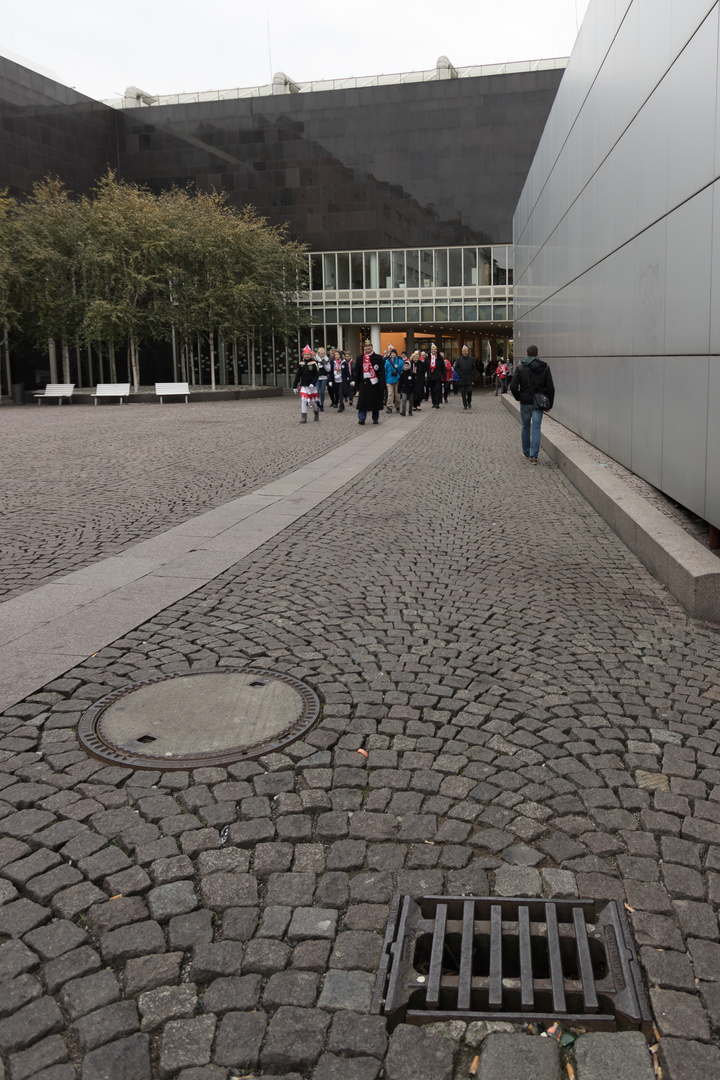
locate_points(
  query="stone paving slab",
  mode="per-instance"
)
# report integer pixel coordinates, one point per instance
(536, 708)
(82, 484)
(100, 602)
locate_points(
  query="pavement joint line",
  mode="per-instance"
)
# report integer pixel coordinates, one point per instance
(689, 571)
(86, 612)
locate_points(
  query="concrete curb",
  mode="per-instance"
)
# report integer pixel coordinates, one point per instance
(683, 565)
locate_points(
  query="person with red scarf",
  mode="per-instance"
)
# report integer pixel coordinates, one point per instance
(435, 375)
(369, 377)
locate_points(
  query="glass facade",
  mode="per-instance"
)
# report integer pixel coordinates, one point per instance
(415, 293)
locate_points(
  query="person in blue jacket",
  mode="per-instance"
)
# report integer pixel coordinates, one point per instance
(393, 371)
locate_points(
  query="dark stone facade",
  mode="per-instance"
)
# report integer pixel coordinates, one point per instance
(413, 164)
(49, 129)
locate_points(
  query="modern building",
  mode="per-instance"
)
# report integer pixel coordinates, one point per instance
(617, 244)
(403, 187)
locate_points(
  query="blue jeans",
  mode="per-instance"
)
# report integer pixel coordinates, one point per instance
(322, 387)
(529, 413)
(362, 415)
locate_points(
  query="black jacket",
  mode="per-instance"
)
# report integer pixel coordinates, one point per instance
(306, 374)
(530, 379)
(406, 382)
(465, 367)
(370, 398)
(438, 375)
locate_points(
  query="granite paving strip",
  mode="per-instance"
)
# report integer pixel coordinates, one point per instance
(80, 485)
(56, 625)
(538, 713)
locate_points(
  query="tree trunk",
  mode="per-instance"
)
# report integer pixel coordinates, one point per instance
(199, 345)
(235, 361)
(211, 339)
(52, 356)
(176, 373)
(135, 364)
(78, 361)
(8, 372)
(222, 361)
(101, 367)
(111, 362)
(90, 364)
(66, 361)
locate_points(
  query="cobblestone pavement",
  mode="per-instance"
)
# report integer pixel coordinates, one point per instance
(83, 483)
(540, 718)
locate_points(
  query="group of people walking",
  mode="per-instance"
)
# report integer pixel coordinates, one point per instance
(391, 382)
(403, 383)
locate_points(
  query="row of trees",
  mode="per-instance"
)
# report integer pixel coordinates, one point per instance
(124, 266)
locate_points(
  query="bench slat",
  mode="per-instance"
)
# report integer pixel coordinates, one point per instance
(56, 390)
(119, 390)
(167, 389)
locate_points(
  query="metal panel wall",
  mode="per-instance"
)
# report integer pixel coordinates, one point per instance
(617, 247)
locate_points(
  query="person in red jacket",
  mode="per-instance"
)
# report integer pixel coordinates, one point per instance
(501, 375)
(448, 379)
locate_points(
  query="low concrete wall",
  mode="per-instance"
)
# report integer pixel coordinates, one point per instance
(685, 567)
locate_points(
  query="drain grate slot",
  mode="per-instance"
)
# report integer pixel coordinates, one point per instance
(519, 959)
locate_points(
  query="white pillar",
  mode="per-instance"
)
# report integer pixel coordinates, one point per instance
(340, 338)
(375, 338)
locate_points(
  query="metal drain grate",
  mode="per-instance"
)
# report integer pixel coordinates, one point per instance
(490, 958)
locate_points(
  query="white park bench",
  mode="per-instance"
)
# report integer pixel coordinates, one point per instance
(56, 390)
(118, 390)
(167, 389)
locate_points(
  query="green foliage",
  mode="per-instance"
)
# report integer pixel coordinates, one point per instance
(126, 266)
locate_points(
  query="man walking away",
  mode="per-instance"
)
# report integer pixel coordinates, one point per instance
(532, 385)
(465, 368)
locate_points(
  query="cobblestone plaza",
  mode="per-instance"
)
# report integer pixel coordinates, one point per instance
(540, 718)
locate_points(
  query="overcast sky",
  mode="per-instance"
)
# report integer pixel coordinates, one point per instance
(179, 46)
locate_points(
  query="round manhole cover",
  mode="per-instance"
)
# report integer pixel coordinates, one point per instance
(205, 718)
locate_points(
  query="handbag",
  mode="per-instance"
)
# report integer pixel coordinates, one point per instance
(541, 401)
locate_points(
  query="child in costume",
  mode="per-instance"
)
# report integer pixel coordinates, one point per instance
(406, 386)
(306, 379)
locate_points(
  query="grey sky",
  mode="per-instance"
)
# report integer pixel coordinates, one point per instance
(177, 46)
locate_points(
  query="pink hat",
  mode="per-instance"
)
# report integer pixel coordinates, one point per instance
(307, 350)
